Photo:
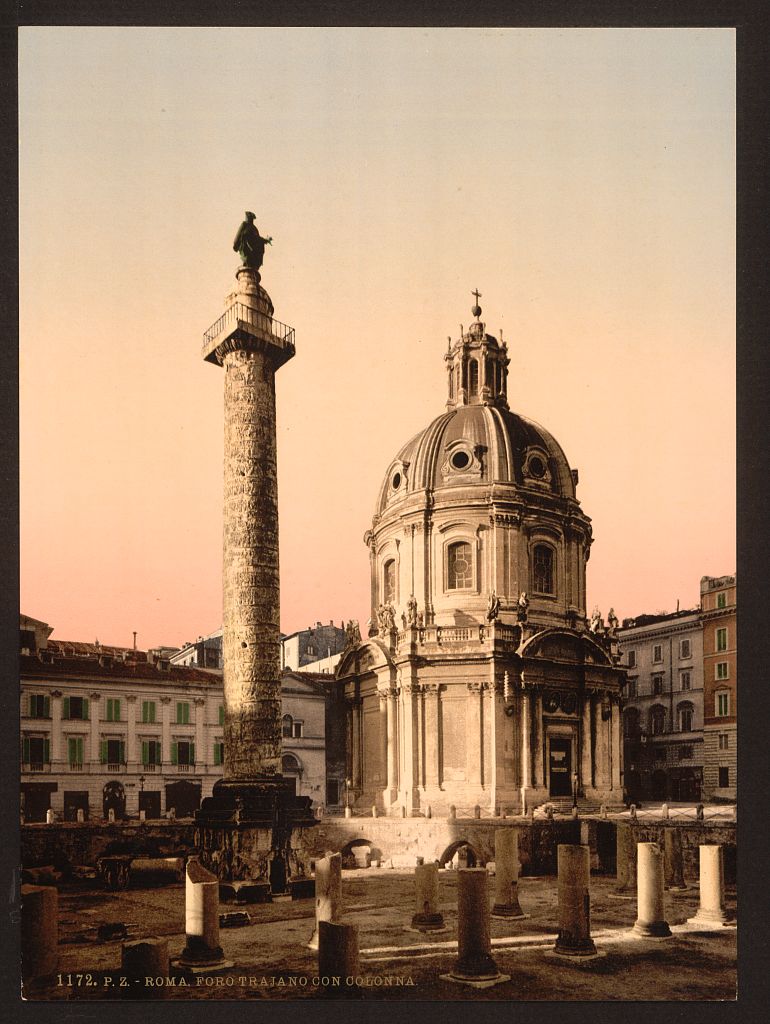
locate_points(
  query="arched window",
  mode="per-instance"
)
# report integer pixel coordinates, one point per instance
(490, 374)
(473, 377)
(685, 714)
(631, 723)
(657, 720)
(542, 569)
(459, 566)
(286, 726)
(290, 765)
(459, 381)
(389, 582)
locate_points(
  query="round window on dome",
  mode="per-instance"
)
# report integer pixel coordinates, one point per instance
(536, 467)
(395, 482)
(460, 460)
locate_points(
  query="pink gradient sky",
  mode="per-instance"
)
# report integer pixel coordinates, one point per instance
(583, 180)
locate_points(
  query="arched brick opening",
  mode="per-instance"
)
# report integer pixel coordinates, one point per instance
(359, 853)
(474, 860)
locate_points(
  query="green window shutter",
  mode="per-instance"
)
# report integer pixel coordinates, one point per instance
(221, 714)
(117, 710)
(80, 749)
(85, 709)
(152, 710)
(217, 758)
(65, 708)
(46, 751)
(71, 750)
(109, 709)
(103, 751)
(192, 753)
(145, 752)
(25, 749)
(47, 707)
(122, 758)
(173, 753)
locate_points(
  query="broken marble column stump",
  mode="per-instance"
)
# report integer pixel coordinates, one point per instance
(337, 950)
(673, 863)
(141, 959)
(711, 912)
(574, 867)
(39, 931)
(506, 903)
(474, 965)
(328, 894)
(427, 916)
(202, 950)
(625, 866)
(651, 918)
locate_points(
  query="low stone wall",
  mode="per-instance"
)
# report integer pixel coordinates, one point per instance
(405, 839)
(694, 834)
(82, 844)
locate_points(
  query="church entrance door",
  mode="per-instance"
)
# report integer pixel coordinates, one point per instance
(560, 766)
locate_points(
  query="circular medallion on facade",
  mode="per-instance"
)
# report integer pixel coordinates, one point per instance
(569, 703)
(551, 701)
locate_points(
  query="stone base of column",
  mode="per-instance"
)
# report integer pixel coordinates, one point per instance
(476, 982)
(250, 834)
(711, 919)
(653, 930)
(259, 801)
(428, 923)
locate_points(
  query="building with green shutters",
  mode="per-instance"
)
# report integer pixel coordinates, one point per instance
(111, 728)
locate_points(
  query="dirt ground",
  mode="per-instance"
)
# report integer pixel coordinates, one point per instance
(272, 960)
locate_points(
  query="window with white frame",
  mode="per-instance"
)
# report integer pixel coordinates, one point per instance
(685, 680)
(721, 638)
(460, 566)
(685, 714)
(721, 670)
(389, 582)
(657, 653)
(685, 649)
(542, 569)
(722, 704)
(724, 741)
(657, 684)
(722, 599)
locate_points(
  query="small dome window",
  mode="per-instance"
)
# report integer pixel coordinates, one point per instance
(536, 467)
(396, 480)
(460, 459)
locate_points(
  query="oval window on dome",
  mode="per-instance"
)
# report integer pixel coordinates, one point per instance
(460, 459)
(536, 467)
(395, 482)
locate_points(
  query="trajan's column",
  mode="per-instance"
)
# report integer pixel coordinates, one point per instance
(250, 345)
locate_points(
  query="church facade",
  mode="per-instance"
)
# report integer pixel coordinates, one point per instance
(481, 682)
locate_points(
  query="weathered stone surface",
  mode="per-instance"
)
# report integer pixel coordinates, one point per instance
(337, 950)
(201, 918)
(507, 874)
(650, 921)
(39, 931)
(427, 917)
(328, 893)
(574, 903)
(711, 911)
(144, 958)
(474, 945)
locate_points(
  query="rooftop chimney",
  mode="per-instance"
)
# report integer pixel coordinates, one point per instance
(134, 639)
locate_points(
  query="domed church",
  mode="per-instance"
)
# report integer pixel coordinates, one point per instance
(481, 681)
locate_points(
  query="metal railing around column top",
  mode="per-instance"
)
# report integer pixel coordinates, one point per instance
(282, 333)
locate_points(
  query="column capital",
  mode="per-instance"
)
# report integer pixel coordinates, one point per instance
(131, 698)
(95, 696)
(199, 701)
(165, 700)
(56, 694)
(476, 687)
(411, 688)
(431, 689)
